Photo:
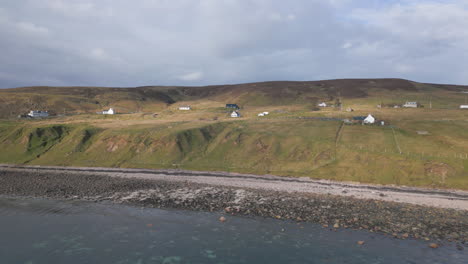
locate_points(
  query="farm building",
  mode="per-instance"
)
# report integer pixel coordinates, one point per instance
(185, 108)
(233, 106)
(463, 106)
(108, 112)
(263, 113)
(369, 119)
(36, 113)
(235, 114)
(322, 104)
(359, 118)
(411, 105)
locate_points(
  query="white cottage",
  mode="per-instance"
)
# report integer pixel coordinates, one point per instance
(108, 112)
(369, 119)
(463, 106)
(185, 108)
(411, 105)
(235, 114)
(35, 113)
(322, 104)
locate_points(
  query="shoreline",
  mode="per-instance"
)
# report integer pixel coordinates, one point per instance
(239, 194)
(442, 198)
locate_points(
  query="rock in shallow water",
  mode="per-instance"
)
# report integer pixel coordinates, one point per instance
(433, 245)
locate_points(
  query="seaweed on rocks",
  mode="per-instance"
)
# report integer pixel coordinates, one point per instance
(400, 220)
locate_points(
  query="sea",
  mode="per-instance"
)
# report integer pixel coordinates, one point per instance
(34, 231)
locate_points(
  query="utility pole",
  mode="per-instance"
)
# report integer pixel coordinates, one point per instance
(339, 101)
(430, 102)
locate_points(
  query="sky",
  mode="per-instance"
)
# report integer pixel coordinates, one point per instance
(123, 43)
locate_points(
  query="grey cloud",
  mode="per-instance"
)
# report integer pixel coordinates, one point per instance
(189, 42)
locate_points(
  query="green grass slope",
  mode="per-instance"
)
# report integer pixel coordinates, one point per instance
(294, 140)
(295, 147)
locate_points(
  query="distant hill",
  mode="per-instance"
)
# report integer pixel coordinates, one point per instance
(16, 101)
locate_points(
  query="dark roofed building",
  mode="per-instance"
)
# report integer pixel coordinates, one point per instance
(233, 106)
(359, 118)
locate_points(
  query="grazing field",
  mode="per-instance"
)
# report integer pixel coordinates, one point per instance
(419, 147)
(278, 145)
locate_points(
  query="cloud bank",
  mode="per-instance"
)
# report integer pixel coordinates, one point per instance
(201, 42)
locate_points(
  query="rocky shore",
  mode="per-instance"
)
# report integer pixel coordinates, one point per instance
(400, 220)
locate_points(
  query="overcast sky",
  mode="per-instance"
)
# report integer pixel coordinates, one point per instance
(199, 42)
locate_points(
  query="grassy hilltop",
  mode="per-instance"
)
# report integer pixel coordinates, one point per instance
(294, 140)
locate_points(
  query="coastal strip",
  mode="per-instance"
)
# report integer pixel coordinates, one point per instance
(442, 214)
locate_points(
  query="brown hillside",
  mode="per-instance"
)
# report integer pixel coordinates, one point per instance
(151, 98)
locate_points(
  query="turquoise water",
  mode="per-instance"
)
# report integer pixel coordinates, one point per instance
(45, 231)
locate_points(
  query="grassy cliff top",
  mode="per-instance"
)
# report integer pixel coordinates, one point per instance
(426, 146)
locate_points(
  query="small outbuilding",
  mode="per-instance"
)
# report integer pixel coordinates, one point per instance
(411, 105)
(37, 113)
(322, 104)
(108, 112)
(235, 114)
(422, 132)
(463, 106)
(264, 114)
(185, 108)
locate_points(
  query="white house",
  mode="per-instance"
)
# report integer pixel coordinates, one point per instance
(185, 108)
(411, 104)
(369, 119)
(463, 106)
(261, 114)
(36, 113)
(322, 104)
(264, 114)
(235, 114)
(108, 112)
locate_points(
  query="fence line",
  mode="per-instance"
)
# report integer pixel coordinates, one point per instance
(414, 154)
(337, 138)
(396, 141)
